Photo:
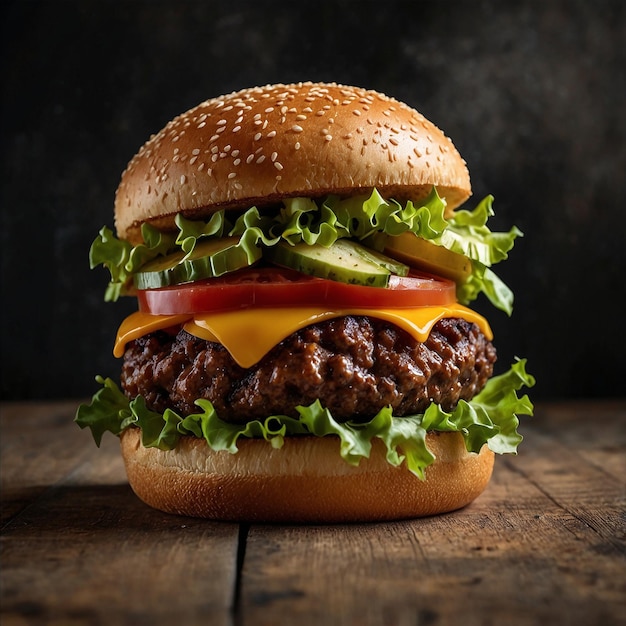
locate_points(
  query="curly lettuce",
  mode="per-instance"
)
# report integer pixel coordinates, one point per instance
(490, 418)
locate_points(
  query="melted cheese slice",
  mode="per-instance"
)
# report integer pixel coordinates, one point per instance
(249, 334)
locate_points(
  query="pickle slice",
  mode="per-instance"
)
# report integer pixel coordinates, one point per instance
(209, 259)
(428, 256)
(345, 261)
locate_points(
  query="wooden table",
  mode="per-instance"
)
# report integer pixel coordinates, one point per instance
(545, 544)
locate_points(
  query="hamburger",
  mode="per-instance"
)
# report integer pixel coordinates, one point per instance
(302, 349)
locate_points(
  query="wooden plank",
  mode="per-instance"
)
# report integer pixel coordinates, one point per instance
(596, 430)
(39, 445)
(527, 551)
(87, 551)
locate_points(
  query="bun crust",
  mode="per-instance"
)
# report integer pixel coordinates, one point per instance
(305, 481)
(259, 145)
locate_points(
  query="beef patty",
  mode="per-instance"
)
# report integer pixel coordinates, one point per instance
(354, 365)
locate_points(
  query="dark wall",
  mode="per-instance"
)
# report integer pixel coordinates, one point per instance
(533, 94)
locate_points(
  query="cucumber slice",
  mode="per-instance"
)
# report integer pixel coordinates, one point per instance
(345, 261)
(209, 259)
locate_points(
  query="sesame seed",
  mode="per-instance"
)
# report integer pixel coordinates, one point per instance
(236, 129)
(221, 122)
(250, 158)
(393, 141)
(271, 134)
(232, 175)
(356, 112)
(297, 145)
(320, 113)
(214, 138)
(192, 160)
(236, 162)
(328, 137)
(183, 179)
(257, 136)
(296, 128)
(269, 109)
(274, 156)
(235, 153)
(201, 125)
(300, 117)
(195, 151)
(261, 159)
(278, 165)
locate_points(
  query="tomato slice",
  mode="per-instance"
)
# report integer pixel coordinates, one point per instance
(273, 286)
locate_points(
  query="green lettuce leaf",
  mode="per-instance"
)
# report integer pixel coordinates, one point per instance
(490, 418)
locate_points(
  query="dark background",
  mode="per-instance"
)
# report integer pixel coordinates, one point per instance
(532, 93)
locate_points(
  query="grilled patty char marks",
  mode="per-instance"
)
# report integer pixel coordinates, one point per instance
(354, 365)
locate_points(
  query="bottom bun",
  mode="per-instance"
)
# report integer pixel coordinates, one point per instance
(304, 481)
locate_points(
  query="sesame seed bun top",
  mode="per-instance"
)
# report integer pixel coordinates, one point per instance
(256, 146)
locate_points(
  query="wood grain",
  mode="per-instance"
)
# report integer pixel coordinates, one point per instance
(85, 550)
(545, 543)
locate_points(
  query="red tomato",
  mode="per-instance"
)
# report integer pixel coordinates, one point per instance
(272, 286)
